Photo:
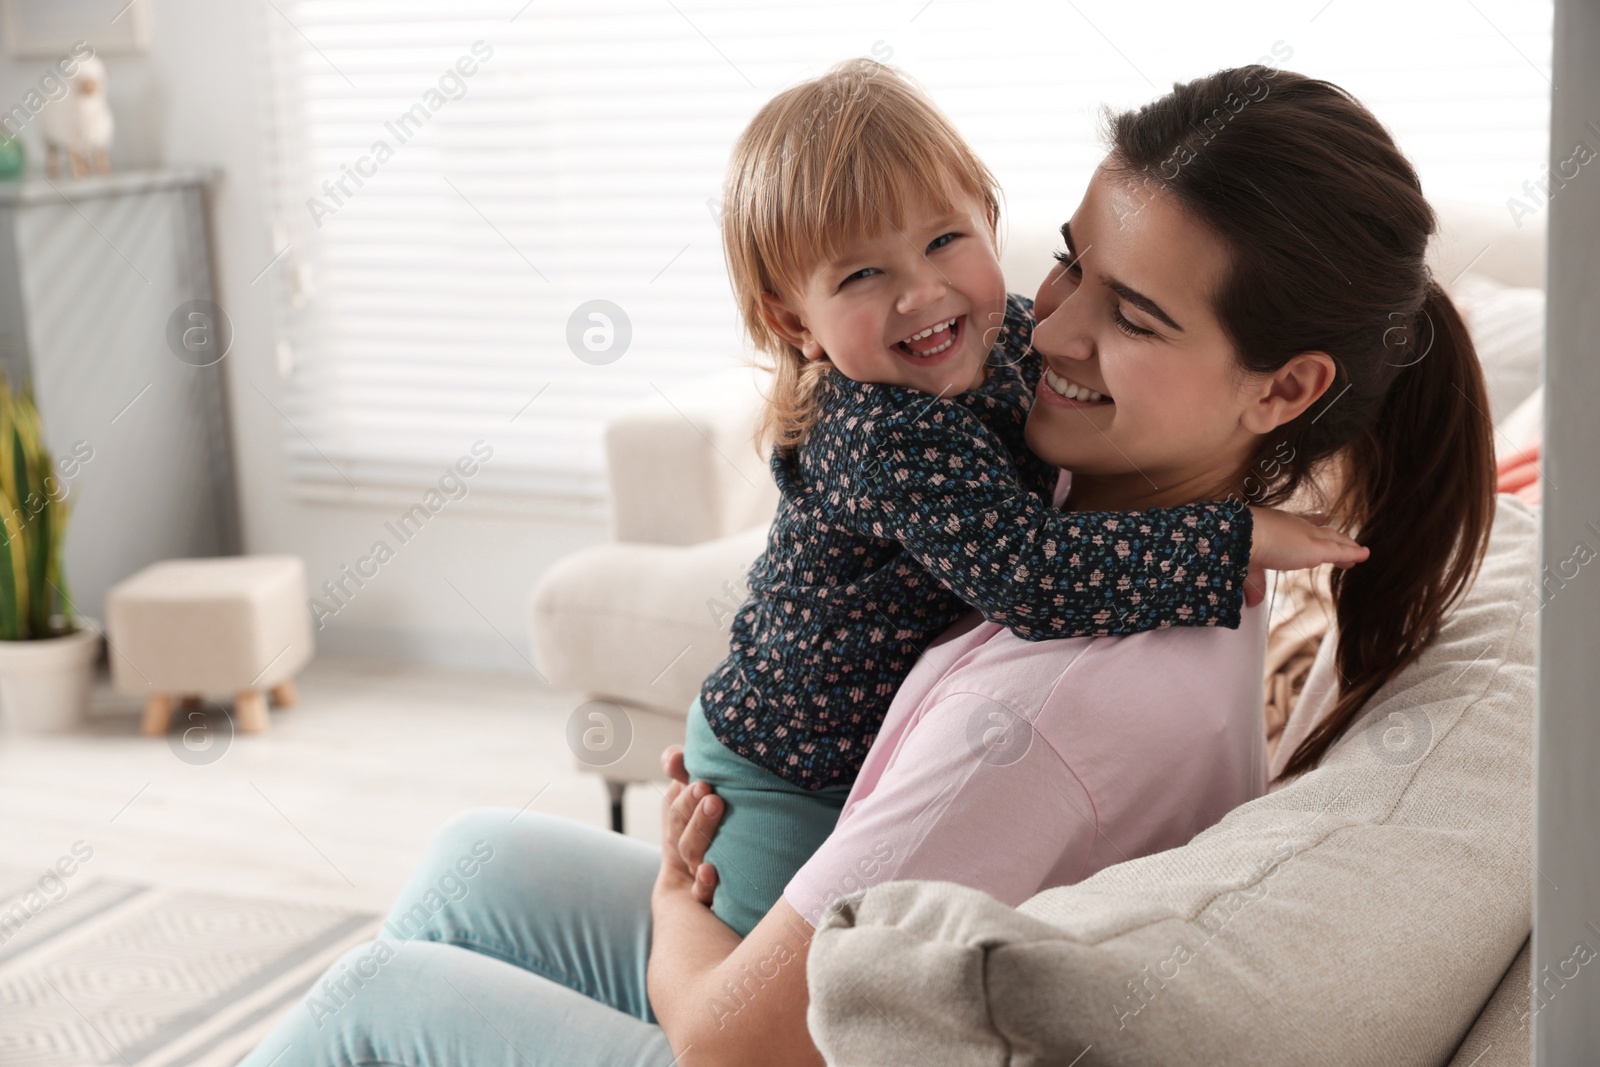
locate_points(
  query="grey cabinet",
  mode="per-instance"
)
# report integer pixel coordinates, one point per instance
(91, 274)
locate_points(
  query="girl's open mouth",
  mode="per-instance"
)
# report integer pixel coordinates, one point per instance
(929, 344)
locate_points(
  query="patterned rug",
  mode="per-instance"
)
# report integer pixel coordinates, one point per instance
(109, 972)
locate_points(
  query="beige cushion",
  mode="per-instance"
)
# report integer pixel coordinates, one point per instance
(1362, 914)
(1481, 238)
(1503, 1036)
(643, 624)
(209, 625)
(1507, 325)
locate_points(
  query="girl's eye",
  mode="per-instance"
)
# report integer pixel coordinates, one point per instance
(1129, 328)
(1069, 261)
(864, 272)
(942, 240)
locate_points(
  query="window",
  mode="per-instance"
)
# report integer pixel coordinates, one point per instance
(456, 184)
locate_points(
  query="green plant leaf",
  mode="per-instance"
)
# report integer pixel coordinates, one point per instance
(33, 591)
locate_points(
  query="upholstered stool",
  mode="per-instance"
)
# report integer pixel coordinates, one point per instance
(186, 627)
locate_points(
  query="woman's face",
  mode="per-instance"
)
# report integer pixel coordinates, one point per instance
(1142, 397)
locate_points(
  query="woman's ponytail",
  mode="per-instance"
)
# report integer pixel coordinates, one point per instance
(1419, 491)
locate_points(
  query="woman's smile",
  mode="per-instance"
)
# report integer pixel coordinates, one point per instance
(1060, 389)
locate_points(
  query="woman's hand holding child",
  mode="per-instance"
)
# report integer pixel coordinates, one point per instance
(689, 818)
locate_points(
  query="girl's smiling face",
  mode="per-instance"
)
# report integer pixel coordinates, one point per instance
(1142, 397)
(917, 305)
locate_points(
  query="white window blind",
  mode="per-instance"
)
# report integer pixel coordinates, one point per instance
(428, 306)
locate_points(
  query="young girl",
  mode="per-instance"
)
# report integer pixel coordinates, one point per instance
(860, 232)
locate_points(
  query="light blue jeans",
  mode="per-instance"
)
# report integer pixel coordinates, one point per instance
(521, 940)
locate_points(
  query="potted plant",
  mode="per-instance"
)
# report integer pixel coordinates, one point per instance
(46, 660)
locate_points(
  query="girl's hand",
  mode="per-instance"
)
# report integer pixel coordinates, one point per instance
(689, 818)
(1285, 542)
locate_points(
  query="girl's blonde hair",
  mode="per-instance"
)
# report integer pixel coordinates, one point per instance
(825, 164)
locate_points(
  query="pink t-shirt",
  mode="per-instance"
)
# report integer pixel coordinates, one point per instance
(1013, 766)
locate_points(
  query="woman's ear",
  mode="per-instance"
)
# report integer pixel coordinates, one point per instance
(787, 325)
(1288, 391)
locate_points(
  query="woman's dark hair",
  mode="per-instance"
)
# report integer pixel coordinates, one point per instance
(1327, 232)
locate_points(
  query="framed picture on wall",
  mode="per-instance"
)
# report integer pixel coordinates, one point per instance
(46, 29)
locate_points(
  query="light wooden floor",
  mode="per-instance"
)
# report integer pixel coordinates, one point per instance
(333, 804)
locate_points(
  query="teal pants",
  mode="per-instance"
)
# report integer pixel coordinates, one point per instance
(769, 827)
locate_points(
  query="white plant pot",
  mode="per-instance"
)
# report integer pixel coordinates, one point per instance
(44, 685)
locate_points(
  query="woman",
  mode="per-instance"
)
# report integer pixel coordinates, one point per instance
(1245, 280)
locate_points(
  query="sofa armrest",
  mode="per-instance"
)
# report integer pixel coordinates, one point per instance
(642, 624)
(682, 466)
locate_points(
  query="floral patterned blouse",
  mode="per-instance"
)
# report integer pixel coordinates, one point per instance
(900, 511)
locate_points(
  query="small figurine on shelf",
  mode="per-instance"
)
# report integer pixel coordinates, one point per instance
(80, 123)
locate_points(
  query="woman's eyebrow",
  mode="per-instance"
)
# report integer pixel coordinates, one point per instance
(1140, 301)
(1127, 292)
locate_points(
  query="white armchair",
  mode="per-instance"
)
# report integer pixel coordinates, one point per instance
(638, 624)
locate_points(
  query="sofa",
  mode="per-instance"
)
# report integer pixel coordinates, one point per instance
(636, 624)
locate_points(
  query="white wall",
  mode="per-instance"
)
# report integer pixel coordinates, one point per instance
(199, 98)
(1566, 911)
